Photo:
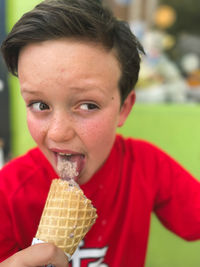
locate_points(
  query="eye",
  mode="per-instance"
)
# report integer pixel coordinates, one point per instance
(38, 106)
(88, 106)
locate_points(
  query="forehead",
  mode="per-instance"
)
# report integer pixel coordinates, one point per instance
(65, 51)
(68, 61)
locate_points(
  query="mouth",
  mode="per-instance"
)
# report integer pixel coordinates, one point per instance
(70, 165)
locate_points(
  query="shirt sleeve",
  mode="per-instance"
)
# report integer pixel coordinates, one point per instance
(177, 201)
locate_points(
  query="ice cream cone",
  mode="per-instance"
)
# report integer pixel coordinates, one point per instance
(67, 216)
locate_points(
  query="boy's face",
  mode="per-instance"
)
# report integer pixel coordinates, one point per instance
(73, 102)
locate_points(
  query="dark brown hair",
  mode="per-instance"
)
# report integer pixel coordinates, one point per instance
(79, 19)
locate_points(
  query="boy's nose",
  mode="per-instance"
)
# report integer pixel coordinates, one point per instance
(61, 130)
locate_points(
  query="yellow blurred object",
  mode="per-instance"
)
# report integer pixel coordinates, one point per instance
(168, 42)
(165, 16)
(194, 79)
(1, 143)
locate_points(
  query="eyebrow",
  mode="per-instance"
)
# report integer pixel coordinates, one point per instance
(30, 92)
(88, 88)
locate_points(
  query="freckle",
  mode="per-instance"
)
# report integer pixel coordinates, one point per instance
(113, 98)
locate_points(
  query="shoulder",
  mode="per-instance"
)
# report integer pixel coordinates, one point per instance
(137, 146)
(25, 163)
(19, 170)
(144, 155)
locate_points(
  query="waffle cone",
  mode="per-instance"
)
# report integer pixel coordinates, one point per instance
(67, 216)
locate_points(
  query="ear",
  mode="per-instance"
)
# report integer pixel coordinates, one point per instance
(126, 108)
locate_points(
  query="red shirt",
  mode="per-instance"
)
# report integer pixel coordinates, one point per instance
(136, 179)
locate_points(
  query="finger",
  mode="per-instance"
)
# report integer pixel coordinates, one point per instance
(41, 255)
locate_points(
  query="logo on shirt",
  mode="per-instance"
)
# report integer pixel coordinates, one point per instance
(89, 253)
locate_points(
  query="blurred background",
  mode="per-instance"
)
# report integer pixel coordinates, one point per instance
(167, 111)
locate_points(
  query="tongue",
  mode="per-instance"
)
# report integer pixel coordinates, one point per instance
(69, 167)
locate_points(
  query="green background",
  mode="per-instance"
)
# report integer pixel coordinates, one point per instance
(174, 128)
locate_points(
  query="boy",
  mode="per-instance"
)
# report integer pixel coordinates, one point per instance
(77, 66)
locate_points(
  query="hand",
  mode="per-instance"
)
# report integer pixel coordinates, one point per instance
(37, 255)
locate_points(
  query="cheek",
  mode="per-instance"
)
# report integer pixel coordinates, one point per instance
(36, 129)
(99, 134)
